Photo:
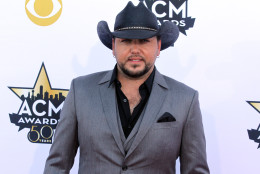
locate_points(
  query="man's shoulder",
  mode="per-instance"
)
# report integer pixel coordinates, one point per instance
(178, 86)
(93, 78)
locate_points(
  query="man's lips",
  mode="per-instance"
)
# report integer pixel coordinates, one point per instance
(135, 58)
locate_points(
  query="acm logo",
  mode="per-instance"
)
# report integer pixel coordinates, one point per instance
(40, 108)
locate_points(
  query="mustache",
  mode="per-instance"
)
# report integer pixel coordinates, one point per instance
(135, 56)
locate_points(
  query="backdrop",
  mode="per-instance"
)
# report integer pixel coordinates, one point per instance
(45, 44)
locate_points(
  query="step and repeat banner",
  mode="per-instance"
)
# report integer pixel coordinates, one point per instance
(44, 44)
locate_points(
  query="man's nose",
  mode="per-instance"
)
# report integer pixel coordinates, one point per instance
(135, 48)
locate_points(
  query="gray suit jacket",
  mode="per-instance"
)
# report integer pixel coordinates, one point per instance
(89, 121)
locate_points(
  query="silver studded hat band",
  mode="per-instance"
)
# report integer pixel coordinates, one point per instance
(136, 28)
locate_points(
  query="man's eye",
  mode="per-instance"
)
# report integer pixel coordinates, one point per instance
(144, 40)
(126, 40)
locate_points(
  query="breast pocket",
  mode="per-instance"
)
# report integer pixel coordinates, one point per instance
(165, 125)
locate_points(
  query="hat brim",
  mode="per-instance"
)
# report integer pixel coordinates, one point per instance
(168, 33)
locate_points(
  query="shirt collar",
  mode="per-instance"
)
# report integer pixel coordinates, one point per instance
(148, 83)
(114, 74)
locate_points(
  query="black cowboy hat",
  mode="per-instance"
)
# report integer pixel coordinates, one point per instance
(138, 22)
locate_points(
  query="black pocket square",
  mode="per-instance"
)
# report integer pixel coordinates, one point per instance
(166, 117)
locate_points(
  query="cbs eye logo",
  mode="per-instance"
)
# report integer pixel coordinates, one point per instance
(43, 12)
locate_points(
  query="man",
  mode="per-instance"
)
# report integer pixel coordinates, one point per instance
(132, 119)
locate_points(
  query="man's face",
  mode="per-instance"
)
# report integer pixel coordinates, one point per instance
(136, 57)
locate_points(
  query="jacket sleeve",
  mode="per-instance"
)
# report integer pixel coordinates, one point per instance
(65, 145)
(193, 158)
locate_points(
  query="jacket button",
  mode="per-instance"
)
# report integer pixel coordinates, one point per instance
(124, 168)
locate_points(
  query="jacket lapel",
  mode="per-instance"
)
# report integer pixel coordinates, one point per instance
(156, 99)
(108, 98)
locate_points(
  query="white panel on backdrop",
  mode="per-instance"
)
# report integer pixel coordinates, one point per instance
(219, 57)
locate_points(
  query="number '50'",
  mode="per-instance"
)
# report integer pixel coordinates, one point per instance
(34, 135)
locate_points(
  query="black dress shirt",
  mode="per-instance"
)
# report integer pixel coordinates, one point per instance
(128, 121)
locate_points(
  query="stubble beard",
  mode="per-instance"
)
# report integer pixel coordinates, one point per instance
(132, 74)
